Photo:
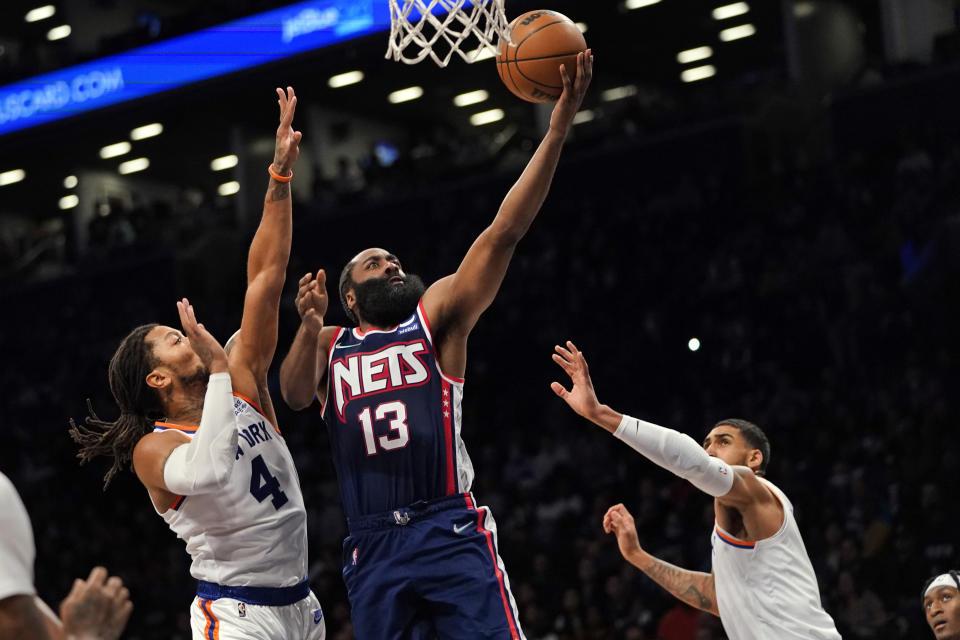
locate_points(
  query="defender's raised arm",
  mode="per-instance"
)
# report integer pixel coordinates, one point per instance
(269, 254)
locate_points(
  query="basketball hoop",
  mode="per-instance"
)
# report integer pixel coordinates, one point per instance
(417, 32)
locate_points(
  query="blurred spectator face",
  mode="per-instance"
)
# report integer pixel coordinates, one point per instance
(942, 606)
(728, 444)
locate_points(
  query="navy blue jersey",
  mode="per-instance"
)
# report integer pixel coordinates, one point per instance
(394, 419)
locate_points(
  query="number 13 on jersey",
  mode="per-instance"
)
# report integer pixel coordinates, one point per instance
(399, 436)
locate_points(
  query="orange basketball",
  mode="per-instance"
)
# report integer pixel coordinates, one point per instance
(542, 41)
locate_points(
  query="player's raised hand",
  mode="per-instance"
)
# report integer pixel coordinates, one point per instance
(618, 521)
(312, 300)
(96, 608)
(288, 141)
(203, 344)
(581, 397)
(573, 91)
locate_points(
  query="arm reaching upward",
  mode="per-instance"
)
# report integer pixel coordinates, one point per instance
(454, 303)
(672, 450)
(693, 587)
(267, 260)
(306, 363)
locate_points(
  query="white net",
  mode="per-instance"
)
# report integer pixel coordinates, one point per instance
(467, 28)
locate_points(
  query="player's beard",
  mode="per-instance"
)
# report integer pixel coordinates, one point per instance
(383, 304)
(197, 378)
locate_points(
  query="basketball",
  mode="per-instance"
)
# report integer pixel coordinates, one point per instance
(542, 41)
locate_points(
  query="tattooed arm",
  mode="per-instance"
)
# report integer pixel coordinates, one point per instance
(693, 587)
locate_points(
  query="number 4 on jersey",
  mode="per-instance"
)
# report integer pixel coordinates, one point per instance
(263, 485)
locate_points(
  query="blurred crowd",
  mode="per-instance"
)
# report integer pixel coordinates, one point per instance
(819, 281)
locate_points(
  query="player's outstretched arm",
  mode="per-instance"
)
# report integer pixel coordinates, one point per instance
(268, 255)
(693, 587)
(306, 363)
(456, 302)
(171, 463)
(672, 450)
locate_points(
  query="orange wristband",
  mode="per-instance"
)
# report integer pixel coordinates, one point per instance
(276, 176)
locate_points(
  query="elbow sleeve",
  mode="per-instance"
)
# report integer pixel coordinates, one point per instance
(677, 453)
(204, 464)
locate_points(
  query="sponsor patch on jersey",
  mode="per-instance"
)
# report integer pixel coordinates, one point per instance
(317, 616)
(242, 609)
(355, 557)
(462, 528)
(412, 327)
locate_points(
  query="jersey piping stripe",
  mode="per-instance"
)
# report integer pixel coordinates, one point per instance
(259, 410)
(178, 502)
(212, 630)
(360, 334)
(733, 542)
(496, 570)
(426, 328)
(448, 434)
(165, 426)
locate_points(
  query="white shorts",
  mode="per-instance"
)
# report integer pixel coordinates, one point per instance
(229, 619)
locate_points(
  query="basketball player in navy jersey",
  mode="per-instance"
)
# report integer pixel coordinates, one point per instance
(421, 559)
(941, 604)
(762, 585)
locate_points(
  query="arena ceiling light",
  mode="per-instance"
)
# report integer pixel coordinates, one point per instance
(146, 131)
(224, 162)
(693, 344)
(228, 188)
(40, 13)
(69, 202)
(693, 55)
(735, 33)
(70, 182)
(637, 4)
(405, 95)
(486, 117)
(114, 150)
(345, 79)
(132, 166)
(618, 93)
(582, 26)
(730, 10)
(59, 33)
(698, 73)
(471, 97)
(12, 176)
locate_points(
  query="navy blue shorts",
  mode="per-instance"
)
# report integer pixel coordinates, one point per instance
(428, 570)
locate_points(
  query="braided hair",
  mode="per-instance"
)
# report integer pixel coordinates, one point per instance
(140, 405)
(953, 573)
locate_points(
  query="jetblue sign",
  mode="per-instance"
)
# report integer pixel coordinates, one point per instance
(173, 63)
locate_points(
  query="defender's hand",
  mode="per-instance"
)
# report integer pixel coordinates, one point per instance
(573, 92)
(96, 608)
(288, 141)
(203, 344)
(619, 522)
(581, 397)
(312, 300)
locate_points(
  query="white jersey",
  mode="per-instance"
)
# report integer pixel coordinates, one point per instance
(17, 550)
(767, 590)
(253, 532)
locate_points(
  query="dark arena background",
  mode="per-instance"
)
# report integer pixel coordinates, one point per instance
(789, 197)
